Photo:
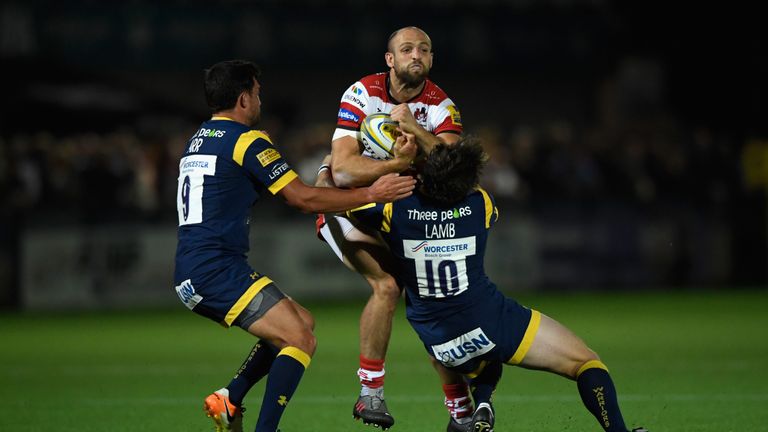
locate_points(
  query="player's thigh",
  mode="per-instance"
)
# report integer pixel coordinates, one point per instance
(282, 325)
(557, 349)
(305, 315)
(364, 250)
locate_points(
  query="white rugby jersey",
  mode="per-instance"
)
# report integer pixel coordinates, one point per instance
(431, 108)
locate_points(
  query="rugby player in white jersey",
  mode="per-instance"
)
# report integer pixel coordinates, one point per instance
(424, 110)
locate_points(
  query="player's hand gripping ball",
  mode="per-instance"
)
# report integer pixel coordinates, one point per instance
(378, 134)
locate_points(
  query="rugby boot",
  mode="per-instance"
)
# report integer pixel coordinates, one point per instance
(226, 416)
(373, 411)
(454, 426)
(483, 418)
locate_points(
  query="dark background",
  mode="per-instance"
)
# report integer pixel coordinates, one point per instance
(604, 120)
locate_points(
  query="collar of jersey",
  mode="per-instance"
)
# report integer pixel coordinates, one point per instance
(221, 118)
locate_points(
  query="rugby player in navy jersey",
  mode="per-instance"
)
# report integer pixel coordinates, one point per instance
(226, 167)
(438, 237)
(425, 110)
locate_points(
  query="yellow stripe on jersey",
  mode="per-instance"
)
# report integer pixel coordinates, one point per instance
(386, 221)
(246, 298)
(530, 335)
(592, 364)
(245, 141)
(221, 118)
(284, 180)
(297, 354)
(362, 207)
(490, 209)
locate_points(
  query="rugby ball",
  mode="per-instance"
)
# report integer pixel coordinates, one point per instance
(378, 133)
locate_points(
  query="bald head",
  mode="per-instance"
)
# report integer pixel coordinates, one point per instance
(410, 32)
(409, 57)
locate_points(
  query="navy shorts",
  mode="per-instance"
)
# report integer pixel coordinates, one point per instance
(500, 331)
(224, 295)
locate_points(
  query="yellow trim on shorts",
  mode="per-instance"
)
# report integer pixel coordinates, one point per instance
(592, 364)
(490, 209)
(530, 335)
(284, 180)
(386, 221)
(244, 141)
(477, 371)
(297, 354)
(245, 299)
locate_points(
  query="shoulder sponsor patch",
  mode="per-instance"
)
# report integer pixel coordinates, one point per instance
(455, 114)
(353, 100)
(268, 156)
(348, 115)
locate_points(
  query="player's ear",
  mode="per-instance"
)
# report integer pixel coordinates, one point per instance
(389, 58)
(242, 99)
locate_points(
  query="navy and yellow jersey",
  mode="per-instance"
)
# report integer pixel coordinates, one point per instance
(440, 250)
(457, 311)
(226, 168)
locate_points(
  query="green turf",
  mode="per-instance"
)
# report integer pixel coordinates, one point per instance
(681, 361)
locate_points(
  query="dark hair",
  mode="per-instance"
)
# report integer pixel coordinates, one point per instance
(225, 80)
(451, 172)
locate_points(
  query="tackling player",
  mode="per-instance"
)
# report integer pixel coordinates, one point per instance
(226, 167)
(425, 111)
(438, 237)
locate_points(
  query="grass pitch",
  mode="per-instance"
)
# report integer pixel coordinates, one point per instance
(692, 361)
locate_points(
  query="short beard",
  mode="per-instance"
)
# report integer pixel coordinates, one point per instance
(255, 120)
(411, 80)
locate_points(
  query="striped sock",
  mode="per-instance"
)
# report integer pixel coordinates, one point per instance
(371, 374)
(599, 395)
(255, 366)
(284, 377)
(457, 401)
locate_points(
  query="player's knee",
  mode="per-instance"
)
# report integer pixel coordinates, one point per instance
(308, 319)
(305, 341)
(585, 360)
(386, 289)
(311, 344)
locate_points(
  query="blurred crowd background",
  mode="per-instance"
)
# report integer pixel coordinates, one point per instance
(628, 143)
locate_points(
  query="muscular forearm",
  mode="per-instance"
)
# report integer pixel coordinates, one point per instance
(357, 170)
(426, 140)
(330, 200)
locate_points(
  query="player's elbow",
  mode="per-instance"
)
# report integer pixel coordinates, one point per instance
(342, 178)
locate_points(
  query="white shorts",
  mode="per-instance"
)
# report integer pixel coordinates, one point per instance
(335, 230)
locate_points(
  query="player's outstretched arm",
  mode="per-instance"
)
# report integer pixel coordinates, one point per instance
(351, 169)
(388, 188)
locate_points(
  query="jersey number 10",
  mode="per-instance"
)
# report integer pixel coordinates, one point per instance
(441, 265)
